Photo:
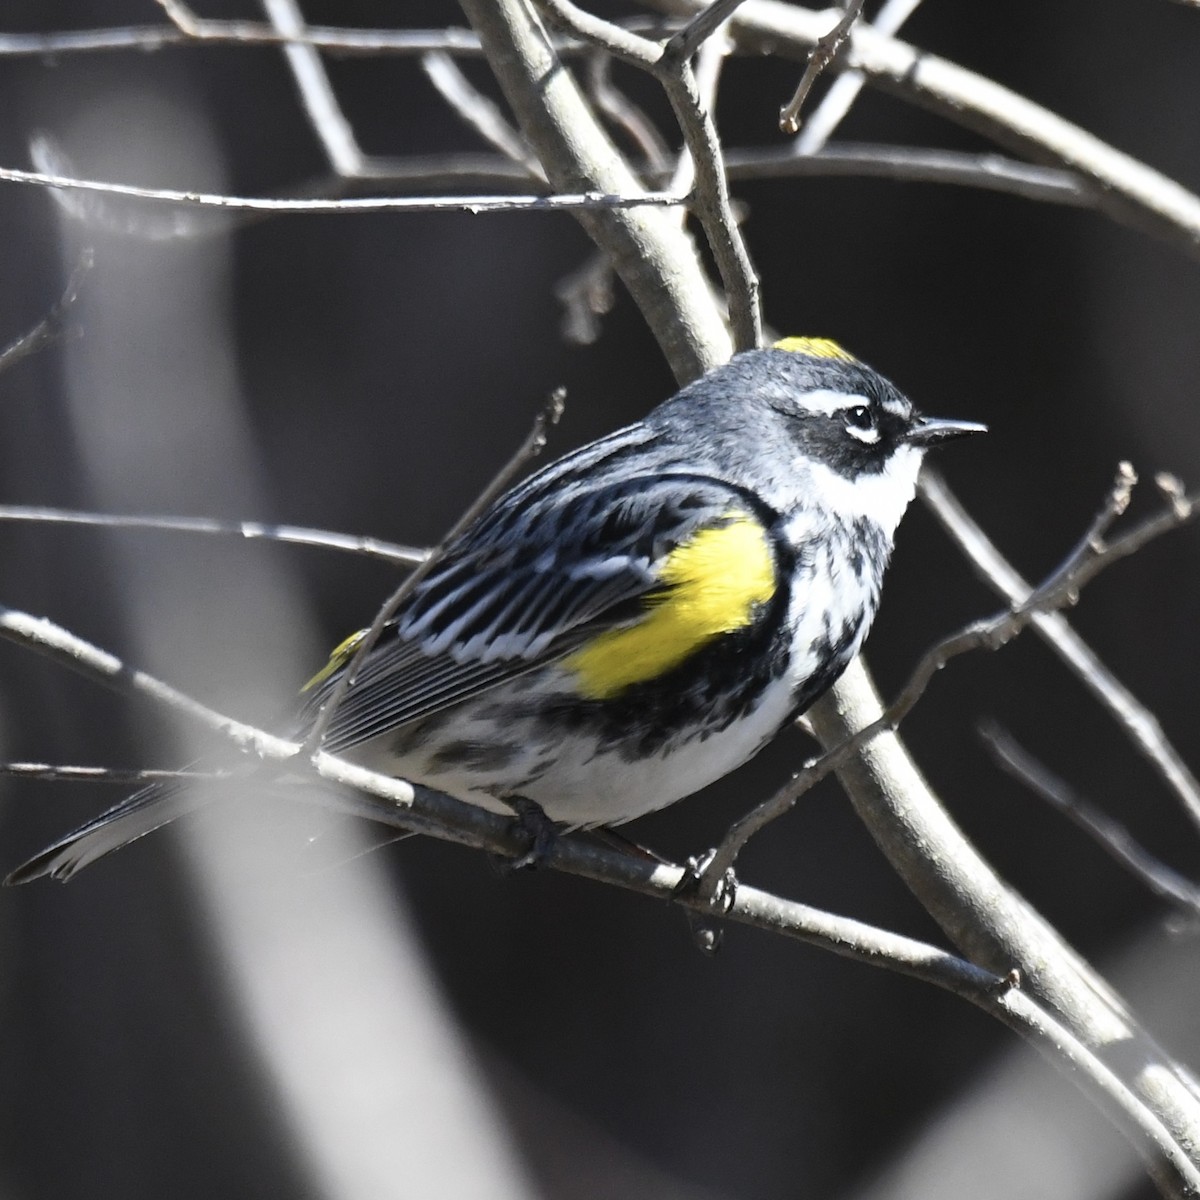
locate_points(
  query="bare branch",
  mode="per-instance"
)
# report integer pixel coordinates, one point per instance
(132, 777)
(929, 852)
(824, 51)
(652, 254)
(533, 445)
(1110, 835)
(1061, 588)
(390, 552)
(478, 111)
(50, 327)
(462, 43)
(1138, 722)
(844, 90)
(1146, 198)
(711, 205)
(410, 808)
(619, 109)
(682, 45)
(312, 81)
(586, 201)
(908, 164)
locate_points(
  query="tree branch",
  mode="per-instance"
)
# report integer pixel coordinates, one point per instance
(942, 868)
(712, 205)
(1060, 589)
(1110, 835)
(1137, 721)
(411, 808)
(391, 552)
(825, 50)
(1145, 198)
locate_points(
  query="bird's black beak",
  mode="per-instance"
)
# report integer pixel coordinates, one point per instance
(927, 430)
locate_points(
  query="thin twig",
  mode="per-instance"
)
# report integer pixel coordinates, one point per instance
(1092, 555)
(823, 53)
(860, 160)
(462, 43)
(50, 327)
(844, 90)
(478, 111)
(320, 102)
(126, 777)
(711, 194)
(682, 45)
(401, 805)
(1144, 198)
(533, 444)
(354, 204)
(1134, 718)
(913, 164)
(391, 552)
(1110, 835)
(586, 295)
(714, 209)
(626, 115)
(708, 63)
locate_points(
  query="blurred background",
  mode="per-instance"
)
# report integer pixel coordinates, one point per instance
(253, 1004)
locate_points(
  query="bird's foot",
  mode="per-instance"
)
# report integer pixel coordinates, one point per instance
(535, 827)
(718, 892)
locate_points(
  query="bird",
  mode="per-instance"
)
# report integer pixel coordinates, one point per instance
(634, 620)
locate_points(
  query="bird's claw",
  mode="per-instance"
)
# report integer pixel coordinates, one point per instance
(719, 892)
(537, 828)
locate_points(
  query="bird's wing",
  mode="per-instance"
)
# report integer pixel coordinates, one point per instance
(545, 569)
(530, 584)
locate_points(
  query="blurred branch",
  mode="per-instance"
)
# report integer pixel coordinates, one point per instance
(403, 806)
(325, 114)
(913, 164)
(622, 112)
(390, 552)
(343, 42)
(670, 64)
(132, 777)
(1144, 197)
(1110, 835)
(655, 258)
(50, 327)
(1138, 722)
(473, 107)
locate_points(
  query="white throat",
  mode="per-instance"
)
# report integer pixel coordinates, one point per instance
(881, 498)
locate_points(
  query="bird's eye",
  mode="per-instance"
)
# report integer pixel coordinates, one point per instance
(860, 423)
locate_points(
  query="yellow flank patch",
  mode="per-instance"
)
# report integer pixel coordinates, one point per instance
(342, 653)
(710, 585)
(814, 347)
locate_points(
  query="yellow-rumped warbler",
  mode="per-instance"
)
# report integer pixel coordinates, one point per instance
(636, 619)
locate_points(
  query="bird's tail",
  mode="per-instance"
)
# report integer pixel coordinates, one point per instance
(132, 818)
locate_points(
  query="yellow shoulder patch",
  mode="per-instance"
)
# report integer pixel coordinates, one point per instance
(341, 655)
(710, 586)
(815, 348)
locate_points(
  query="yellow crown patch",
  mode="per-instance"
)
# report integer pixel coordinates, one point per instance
(814, 347)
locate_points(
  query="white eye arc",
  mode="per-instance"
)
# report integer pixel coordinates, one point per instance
(860, 424)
